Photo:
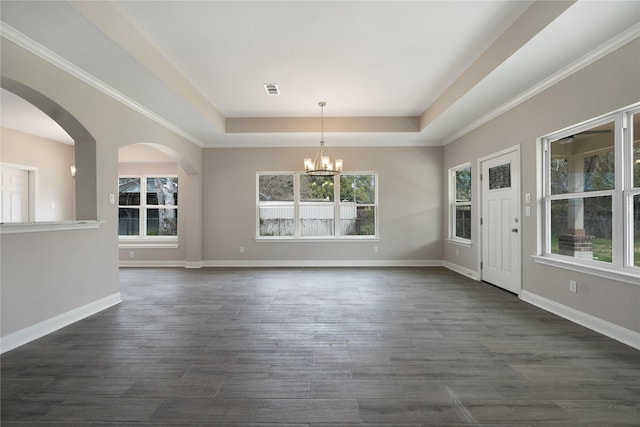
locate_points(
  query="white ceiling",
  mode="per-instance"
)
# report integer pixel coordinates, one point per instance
(196, 66)
(362, 58)
(16, 113)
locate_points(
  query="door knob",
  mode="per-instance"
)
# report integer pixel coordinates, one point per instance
(515, 230)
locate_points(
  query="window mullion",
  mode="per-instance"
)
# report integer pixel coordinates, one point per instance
(296, 203)
(627, 193)
(627, 226)
(546, 189)
(547, 226)
(452, 204)
(143, 206)
(582, 195)
(617, 209)
(336, 206)
(257, 210)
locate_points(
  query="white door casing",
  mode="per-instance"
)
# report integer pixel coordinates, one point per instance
(500, 220)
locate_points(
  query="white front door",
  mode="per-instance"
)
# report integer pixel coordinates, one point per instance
(14, 203)
(501, 221)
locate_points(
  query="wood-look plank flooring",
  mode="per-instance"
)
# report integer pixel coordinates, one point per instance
(320, 347)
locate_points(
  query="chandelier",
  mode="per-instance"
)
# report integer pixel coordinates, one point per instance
(322, 165)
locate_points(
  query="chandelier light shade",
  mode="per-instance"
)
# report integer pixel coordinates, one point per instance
(321, 164)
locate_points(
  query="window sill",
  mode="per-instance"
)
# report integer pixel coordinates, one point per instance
(37, 227)
(166, 243)
(630, 277)
(465, 243)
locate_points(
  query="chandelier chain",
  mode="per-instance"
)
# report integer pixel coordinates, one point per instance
(322, 104)
(322, 165)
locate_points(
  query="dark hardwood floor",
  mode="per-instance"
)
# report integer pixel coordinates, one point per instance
(320, 347)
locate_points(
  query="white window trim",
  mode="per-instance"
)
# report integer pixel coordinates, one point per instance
(149, 242)
(452, 238)
(621, 268)
(143, 241)
(460, 242)
(336, 237)
(626, 275)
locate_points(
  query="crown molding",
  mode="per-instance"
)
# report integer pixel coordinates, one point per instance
(615, 43)
(53, 58)
(331, 124)
(239, 125)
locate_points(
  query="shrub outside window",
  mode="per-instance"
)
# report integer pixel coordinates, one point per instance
(357, 204)
(460, 203)
(148, 207)
(299, 206)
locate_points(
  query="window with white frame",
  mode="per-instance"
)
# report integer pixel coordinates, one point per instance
(148, 207)
(460, 203)
(592, 193)
(296, 205)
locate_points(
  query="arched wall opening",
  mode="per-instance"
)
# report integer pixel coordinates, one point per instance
(84, 146)
(141, 167)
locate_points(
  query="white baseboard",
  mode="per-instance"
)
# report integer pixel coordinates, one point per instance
(156, 264)
(461, 270)
(324, 263)
(193, 264)
(33, 332)
(611, 330)
(282, 263)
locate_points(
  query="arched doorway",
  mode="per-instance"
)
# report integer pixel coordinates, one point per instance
(158, 211)
(84, 148)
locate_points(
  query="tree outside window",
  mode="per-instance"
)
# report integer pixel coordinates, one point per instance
(592, 192)
(357, 205)
(460, 212)
(583, 180)
(276, 207)
(148, 206)
(297, 205)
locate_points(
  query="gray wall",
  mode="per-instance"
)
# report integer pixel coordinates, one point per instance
(410, 210)
(48, 274)
(52, 160)
(610, 83)
(409, 214)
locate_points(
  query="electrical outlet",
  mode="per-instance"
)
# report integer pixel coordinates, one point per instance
(527, 211)
(573, 286)
(375, 249)
(241, 249)
(527, 198)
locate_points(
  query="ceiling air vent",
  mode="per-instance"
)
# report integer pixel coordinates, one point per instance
(272, 89)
